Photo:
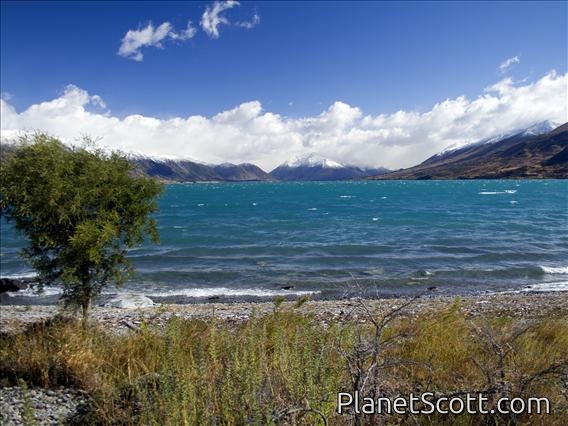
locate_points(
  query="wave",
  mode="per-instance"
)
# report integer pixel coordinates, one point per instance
(507, 191)
(20, 276)
(232, 292)
(554, 269)
(32, 292)
(553, 286)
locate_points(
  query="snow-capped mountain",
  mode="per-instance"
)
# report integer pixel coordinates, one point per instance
(316, 167)
(534, 153)
(540, 128)
(534, 130)
(313, 160)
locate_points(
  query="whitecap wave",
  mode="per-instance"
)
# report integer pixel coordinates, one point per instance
(554, 269)
(32, 292)
(21, 276)
(231, 292)
(554, 286)
(506, 191)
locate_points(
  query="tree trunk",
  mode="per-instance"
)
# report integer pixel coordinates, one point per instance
(85, 304)
(86, 293)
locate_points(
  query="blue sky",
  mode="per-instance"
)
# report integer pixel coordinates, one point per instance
(320, 73)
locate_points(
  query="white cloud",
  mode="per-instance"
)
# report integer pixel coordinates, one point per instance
(134, 40)
(505, 65)
(212, 18)
(186, 34)
(255, 20)
(341, 132)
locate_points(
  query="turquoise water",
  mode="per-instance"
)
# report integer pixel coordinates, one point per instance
(336, 239)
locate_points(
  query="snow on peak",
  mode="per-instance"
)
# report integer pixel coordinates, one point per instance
(540, 128)
(313, 160)
(161, 158)
(534, 130)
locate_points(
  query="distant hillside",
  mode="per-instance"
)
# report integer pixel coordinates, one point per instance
(241, 172)
(181, 170)
(315, 167)
(189, 171)
(525, 155)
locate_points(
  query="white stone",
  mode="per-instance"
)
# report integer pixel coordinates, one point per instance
(130, 301)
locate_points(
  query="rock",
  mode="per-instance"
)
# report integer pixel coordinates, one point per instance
(10, 284)
(130, 301)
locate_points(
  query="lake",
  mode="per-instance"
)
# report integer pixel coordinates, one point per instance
(344, 239)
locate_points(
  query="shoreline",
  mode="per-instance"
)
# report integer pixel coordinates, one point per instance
(521, 305)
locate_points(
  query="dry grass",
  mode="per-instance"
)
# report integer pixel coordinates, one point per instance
(287, 367)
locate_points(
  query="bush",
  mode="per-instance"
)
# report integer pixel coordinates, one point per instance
(80, 208)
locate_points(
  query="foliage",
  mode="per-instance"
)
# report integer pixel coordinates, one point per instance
(80, 208)
(287, 368)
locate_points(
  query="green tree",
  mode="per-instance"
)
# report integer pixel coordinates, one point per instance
(81, 209)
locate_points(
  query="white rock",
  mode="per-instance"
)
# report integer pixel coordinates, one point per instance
(130, 301)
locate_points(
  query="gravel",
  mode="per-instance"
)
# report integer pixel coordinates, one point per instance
(14, 318)
(20, 406)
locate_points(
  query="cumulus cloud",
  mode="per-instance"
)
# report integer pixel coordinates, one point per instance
(342, 132)
(134, 40)
(508, 63)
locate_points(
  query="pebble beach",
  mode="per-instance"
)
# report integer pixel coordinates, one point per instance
(14, 318)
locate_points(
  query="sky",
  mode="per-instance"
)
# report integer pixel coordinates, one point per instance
(362, 83)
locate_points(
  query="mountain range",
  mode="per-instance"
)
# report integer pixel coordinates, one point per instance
(191, 171)
(538, 152)
(310, 167)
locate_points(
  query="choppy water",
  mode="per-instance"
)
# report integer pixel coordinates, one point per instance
(349, 238)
